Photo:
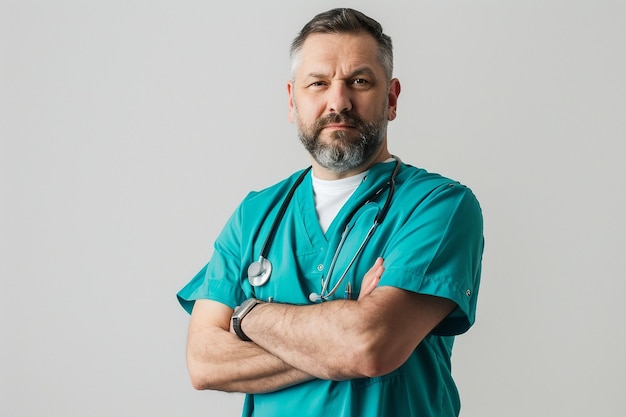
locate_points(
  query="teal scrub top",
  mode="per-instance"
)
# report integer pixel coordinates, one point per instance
(431, 242)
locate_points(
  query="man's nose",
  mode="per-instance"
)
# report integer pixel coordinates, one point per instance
(339, 99)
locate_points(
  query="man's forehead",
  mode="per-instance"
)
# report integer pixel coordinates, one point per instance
(352, 50)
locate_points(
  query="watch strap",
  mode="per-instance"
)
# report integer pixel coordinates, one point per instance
(238, 331)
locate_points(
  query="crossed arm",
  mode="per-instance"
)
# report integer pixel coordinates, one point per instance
(336, 340)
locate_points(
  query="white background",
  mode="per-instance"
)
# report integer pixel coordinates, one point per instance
(131, 129)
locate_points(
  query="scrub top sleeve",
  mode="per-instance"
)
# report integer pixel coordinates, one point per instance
(438, 251)
(195, 289)
(219, 279)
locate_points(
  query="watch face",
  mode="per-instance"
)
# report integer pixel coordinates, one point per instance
(245, 307)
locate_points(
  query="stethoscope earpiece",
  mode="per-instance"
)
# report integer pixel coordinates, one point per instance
(314, 297)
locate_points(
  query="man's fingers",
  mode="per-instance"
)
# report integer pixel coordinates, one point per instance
(371, 278)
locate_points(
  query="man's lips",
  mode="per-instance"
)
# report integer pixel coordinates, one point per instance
(339, 126)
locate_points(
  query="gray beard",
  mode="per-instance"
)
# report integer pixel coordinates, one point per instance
(344, 153)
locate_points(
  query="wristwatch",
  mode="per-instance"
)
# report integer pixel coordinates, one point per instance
(241, 312)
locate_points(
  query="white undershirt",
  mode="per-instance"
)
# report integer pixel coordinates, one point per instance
(331, 195)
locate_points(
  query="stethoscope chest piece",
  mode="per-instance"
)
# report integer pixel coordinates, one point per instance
(259, 272)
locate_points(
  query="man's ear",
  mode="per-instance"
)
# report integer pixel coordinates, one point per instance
(292, 117)
(394, 92)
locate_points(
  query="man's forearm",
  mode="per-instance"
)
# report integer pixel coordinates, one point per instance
(344, 339)
(320, 339)
(242, 367)
(218, 360)
(326, 340)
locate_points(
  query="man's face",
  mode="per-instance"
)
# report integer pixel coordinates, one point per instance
(341, 100)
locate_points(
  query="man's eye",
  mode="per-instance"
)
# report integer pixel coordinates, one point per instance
(317, 84)
(360, 81)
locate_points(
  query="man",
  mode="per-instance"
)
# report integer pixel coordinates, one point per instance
(359, 325)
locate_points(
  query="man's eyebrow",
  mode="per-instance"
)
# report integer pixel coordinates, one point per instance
(363, 71)
(357, 72)
(316, 75)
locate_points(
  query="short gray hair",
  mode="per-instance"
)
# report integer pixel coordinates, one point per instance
(344, 20)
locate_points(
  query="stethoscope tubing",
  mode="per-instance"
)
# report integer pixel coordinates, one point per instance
(281, 214)
(377, 221)
(369, 234)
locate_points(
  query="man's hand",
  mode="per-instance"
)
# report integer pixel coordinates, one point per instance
(371, 278)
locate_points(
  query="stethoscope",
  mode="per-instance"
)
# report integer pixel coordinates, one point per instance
(259, 271)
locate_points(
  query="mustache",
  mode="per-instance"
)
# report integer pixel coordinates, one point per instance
(345, 117)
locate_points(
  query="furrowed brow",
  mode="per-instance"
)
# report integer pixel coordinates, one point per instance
(363, 71)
